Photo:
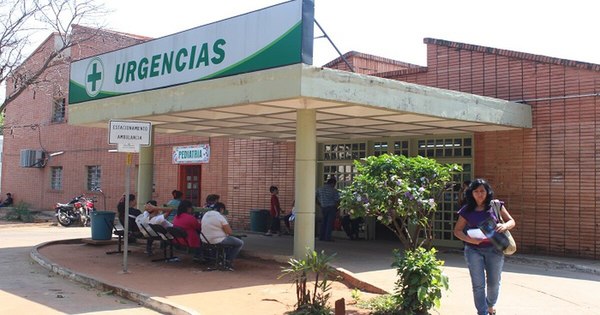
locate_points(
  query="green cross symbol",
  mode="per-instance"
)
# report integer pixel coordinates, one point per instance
(94, 77)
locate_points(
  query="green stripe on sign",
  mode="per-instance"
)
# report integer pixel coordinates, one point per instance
(285, 50)
(77, 93)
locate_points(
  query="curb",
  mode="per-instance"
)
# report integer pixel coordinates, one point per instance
(346, 276)
(160, 305)
(553, 264)
(548, 262)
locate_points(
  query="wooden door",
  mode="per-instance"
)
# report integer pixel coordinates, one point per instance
(189, 183)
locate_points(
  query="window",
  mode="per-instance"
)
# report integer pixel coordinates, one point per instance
(56, 179)
(449, 147)
(94, 176)
(401, 147)
(344, 151)
(58, 110)
(380, 148)
(343, 173)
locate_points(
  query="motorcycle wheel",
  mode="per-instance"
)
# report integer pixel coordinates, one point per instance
(63, 219)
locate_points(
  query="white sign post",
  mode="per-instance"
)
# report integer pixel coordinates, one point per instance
(128, 136)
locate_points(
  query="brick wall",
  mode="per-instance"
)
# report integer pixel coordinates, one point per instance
(240, 171)
(549, 174)
(368, 64)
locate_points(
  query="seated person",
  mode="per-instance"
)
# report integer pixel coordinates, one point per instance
(351, 226)
(8, 202)
(133, 214)
(217, 231)
(211, 201)
(170, 209)
(185, 220)
(173, 204)
(289, 218)
(142, 221)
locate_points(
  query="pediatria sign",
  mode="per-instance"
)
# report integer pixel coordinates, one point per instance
(276, 36)
(191, 154)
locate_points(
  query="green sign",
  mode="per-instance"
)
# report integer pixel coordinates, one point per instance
(276, 36)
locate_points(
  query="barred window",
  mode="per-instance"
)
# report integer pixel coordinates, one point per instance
(344, 151)
(449, 147)
(343, 173)
(401, 147)
(56, 179)
(380, 148)
(94, 176)
(58, 110)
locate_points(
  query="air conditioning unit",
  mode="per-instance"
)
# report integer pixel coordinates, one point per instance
(33, 158)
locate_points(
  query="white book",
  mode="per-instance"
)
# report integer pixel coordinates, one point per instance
(476, 233)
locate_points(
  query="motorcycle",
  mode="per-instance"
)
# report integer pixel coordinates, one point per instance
(76, 210)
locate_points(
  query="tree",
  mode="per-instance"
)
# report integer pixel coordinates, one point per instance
(400, 192)
(21, 19)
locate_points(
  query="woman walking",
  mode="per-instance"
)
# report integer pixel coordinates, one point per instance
(484, 260)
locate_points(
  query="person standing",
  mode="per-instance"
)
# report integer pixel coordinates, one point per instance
(275, 212)
(328, 199)
(483, 259)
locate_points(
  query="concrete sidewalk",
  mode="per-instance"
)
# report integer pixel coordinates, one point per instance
(530, 283)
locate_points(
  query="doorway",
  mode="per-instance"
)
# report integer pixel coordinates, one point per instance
(189, 183)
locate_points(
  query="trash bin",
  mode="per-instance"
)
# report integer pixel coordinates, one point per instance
(258, 220)
(102, 223)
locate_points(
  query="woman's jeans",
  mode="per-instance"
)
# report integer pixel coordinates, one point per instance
(232, 253)
(482, 262)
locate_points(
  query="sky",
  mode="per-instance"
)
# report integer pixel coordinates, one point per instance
(395, 29)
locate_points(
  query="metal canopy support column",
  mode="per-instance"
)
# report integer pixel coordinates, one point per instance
(145, 173)
(306, 147)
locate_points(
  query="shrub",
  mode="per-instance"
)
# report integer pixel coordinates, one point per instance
(20, 212)
(420, 280)
(314, 265)
(400, 192)
(386, 304)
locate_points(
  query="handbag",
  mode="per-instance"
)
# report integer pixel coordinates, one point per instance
(511, 247)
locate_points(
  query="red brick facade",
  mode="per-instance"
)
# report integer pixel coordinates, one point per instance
(240, 171)
(548, 175)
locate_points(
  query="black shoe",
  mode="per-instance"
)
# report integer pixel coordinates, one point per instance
(200, 260)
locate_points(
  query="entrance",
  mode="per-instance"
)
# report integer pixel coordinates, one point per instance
(189, 183)
(336, 160)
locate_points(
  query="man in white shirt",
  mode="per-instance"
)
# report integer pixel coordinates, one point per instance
(216, 229)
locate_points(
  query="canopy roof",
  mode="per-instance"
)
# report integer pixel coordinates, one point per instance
(263, 104)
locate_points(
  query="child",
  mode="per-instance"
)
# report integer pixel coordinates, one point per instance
(275, 212)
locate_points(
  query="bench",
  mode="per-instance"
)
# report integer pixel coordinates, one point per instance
(119, 231)
(216, 253)
(167, 243)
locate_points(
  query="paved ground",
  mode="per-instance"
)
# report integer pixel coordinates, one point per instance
(28, 288)
(531, 284)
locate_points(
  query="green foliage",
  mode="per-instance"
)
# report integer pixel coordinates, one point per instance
(313, 266)
(20, 212)
(355, 294)
(386, 304)
(420, 280)
(400, 192)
